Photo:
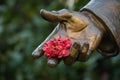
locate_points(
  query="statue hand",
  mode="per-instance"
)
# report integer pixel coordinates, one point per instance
(82, 30)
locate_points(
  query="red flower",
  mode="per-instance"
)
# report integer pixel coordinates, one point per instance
(57, 48)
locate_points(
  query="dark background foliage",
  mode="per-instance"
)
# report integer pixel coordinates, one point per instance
(22, 30)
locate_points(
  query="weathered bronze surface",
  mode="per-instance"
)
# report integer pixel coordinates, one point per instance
(95, 27)
(108, 12)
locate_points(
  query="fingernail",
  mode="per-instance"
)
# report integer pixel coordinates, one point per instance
(41, 11)
(52, 62)
(37, 53)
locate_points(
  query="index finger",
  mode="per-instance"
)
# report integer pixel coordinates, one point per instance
(38, 52)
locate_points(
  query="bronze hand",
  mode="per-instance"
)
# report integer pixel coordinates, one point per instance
(79, 27)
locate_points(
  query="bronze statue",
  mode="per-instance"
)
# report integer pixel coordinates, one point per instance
(95, 27)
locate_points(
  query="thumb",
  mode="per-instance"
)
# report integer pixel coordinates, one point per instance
(55, 16)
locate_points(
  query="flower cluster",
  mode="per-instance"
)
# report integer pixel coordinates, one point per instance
(57, 48)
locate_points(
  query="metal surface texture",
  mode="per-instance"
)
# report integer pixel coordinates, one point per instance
(95, 27)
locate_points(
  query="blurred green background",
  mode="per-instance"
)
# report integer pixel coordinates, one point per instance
(22, 30)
